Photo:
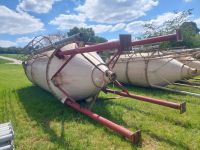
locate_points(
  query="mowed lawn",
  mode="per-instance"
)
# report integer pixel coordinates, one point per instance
(41, 122)
(16, 56)
(3, 61)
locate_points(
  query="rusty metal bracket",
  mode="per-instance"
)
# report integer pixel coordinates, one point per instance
(134, 137)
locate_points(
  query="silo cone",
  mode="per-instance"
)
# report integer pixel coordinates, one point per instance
(79, 78)
(144, 71)
(191, 62)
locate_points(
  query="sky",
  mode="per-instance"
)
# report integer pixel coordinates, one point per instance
(22, 20)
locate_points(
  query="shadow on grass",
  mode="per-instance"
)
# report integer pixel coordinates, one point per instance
(174, 143)
(170, 120)
(166, 140)
(43, 108)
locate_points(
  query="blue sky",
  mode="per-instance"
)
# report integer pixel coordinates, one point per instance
(21, 20)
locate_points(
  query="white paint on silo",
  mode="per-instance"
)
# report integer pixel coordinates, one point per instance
(79, 78)
(191, 62)
(141, 70)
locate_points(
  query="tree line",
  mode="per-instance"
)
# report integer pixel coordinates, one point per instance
(189, 30)
(10, 50)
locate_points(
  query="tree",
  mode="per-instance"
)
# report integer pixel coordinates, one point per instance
(88, 35)
(99, 39)
(189, 30)
(168, 26)
(190, 34)
(10, 50)
(196, 40)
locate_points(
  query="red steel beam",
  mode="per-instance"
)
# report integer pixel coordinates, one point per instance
(133, 137)
(181, 107)
(172, 37)
(116, 44)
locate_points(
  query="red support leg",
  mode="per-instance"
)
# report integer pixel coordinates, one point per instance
(133, 137)
(181, 107)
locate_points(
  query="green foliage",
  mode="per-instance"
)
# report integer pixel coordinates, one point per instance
(196, 40)
(189, 30)
(98, 39)
(169, 26)
(191, 37)
(16, 56)
(88, 35)
(10, 50)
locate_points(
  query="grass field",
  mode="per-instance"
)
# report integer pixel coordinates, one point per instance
(41, 122)
(3, 61)
(16, 56)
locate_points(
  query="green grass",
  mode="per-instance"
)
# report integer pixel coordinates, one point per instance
(41, 122)
(3, 61)
(16, 56)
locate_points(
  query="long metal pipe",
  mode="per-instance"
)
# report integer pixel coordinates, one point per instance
(116, 44)
(133, 137)
(187, 85)
(181, 107)
(176, 91)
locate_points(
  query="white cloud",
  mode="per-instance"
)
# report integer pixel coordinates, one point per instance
(65, 22)
(6, 43)
(12, 22)
(111, 40)
(68, 21)
(23, 40)
(112, 12)
(137, 26)
(187, 1)
(100, 28)
(37, 6)
(160, 19)
(197, 22)
(115, 11)
(118, 26)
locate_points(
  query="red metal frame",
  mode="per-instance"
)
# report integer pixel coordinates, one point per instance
(116, 45)
(181, 107)
(59, 70)
(114, 59)
(135, 137)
